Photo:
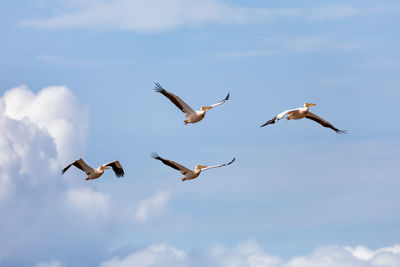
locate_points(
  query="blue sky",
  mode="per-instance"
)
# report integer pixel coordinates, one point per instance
(77, 81)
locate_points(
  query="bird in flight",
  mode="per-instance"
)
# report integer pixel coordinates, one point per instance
(188, 174)
(96, 173)
(192, 116)
(303, 112)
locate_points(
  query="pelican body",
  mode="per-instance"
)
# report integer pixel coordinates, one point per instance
(188, 174)
(96, 173)
(300, 113)
(192, 116)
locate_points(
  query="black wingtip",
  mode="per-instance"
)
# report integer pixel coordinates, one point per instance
(271, 121)
(65, 169)
(227, 96)
(154, 155)
(232, 160)
(341, 131)
(158, 88)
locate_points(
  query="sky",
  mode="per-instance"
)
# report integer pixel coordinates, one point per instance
(77, 80)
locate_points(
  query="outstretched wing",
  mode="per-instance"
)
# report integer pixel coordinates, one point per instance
(174, 99)
(221, 165)
(117, 168)
(80, 164)
(324, 123)
(219, 103)
(171, 163)
(278, 117)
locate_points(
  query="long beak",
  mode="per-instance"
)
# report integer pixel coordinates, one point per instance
(205, 108)
(311, 104)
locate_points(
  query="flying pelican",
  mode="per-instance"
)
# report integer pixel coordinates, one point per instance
(192, 116)
(188, 174)
(299, 113)
(96, 173)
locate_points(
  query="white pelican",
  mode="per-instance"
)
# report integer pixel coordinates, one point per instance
(299, 113)
(96, 173)
(188, 174)
(192, 116)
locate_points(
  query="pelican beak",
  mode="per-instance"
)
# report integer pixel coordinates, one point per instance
(205, 108)
(310, 104)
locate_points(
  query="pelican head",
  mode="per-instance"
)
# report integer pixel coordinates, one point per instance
(306, 105)
(104, 167)
(199, 167)
(205, 108)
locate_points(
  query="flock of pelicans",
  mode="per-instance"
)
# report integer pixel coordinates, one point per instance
(193, 116)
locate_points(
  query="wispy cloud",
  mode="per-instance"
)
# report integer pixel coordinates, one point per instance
(299, 45)
(51, 263)
(250, 53)
(88, 202)
(250, 254)
(61, 61)
(156, 15)
(383, 64)
(309, 44)
(151, 206)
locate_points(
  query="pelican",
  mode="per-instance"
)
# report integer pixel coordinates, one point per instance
(192, 116)
(96, 173)
(188, 174)
(299, 113)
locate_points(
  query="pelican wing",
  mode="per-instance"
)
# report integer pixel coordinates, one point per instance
(80, 164)
(117, 168)
(323, 122)
(278, 117)
(217, 166)
(171, 163)
(174, 99)
(220, 102)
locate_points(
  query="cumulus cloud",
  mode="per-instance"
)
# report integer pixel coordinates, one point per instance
(155, 15)
(54, 110)
(152, 206)
(39, 133)
(250, 254)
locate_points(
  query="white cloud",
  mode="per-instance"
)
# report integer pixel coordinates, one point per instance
(155, 15)
(250, 254)
(152, 206)
(38, 132)
(55, 110)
